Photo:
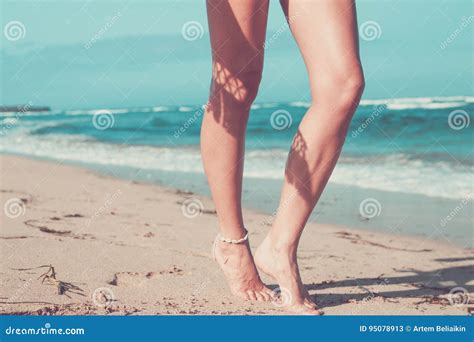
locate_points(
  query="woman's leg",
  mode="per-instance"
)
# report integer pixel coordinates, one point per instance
(237, 30)
(326, 33)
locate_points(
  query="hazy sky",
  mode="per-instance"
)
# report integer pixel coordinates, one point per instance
(107, 53)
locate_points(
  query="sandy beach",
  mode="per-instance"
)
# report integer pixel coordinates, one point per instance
(76, 242)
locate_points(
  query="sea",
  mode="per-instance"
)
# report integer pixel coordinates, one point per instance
(408, 149)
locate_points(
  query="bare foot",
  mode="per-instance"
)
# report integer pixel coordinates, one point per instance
(281, 264)
(239, 268)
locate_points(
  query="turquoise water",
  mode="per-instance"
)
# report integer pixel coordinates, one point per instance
(419, 145)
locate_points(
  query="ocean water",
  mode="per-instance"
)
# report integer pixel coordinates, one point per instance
(414, 145)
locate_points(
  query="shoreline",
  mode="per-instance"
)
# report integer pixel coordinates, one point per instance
(133, 244)
(397, 213)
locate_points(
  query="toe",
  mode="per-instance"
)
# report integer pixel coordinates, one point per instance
(269, 292)
(266, 296)
(308, 300)
(260, 296)
(314, 312)
(251, 294)
(309, 303)
(305, 310)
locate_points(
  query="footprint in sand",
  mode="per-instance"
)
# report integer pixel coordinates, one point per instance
(137, 278)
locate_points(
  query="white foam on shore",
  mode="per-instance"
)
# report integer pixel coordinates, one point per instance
(264, 105)
(99, 110)
(300, 104)
(420, 102)
(429, 105)
(391, 173)
(400, 103)
(392, 104)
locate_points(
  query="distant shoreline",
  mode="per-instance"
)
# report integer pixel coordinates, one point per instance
(24, 108)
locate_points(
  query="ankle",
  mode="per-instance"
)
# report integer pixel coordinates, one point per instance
(282, 246)
(235, 233)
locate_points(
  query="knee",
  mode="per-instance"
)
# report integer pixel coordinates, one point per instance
(238, 80)
(343, 89)
(249, 80)
(356, 85)
(353, 86)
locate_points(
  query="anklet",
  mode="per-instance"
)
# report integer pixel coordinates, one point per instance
(235, 242)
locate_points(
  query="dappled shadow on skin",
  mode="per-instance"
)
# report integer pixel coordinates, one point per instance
(297, 169)
(302, 175)
(227, 92)
(230, 99)
(429, 284)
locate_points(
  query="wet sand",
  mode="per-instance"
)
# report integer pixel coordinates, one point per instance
(73, 241)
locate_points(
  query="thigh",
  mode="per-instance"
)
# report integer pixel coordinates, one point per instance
(326, 33)
(237, 29)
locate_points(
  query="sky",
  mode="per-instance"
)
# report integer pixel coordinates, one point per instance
(71, 54)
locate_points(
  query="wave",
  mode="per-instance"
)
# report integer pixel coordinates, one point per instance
(436, 102)
(399, 173)
(392, 104)
(265, 105)
(99, 110)
(420, 102)
(431, 105)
